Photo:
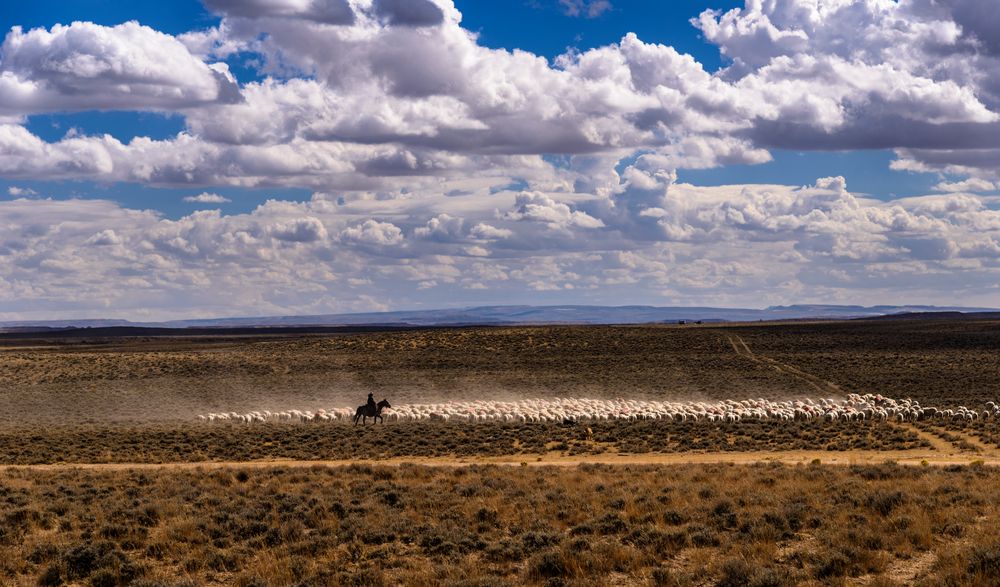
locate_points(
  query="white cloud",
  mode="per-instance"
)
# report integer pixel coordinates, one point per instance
(968, 185)
(728, 245)
(566, 170)
(373, 232)
(486, 232)
(104, 238)
(300, 230)
(207, 198)
(19, 192)
(87, 66)
(537, 207)
(372, 93)
(442, 227)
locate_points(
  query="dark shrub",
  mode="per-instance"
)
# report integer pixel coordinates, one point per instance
(657, 541)
(794, 515)
(148, 516)
(611, 524)
(884, 502)
(113, 532)
(104, 578)
(547, 564)
(42, 553)
(81, 560)
(736, 572)
(832, 564)
(51, 577)
(535, 541)
(662, 577)
(487, 516)
(702, 536)
(481, 582)
(772, 578)
(674, 518)
(504, 551)
(984, 563)
(723, 515)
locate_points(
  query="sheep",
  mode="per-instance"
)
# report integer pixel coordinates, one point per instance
(855, 407)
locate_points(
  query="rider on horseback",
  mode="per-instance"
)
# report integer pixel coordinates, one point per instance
(371, 410)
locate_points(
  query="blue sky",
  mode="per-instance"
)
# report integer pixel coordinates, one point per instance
(369, 154)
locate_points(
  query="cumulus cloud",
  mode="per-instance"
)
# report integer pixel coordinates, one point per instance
(86, 66)
(373, 232)
(104, 238)
(443, 227)
(727, 245)
(537, 207)
(299, 230)
(207, 198)
(914, 76)
(371, 92)
(487, 232)
(566, 169)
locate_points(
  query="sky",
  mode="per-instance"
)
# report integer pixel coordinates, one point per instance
(188, 159)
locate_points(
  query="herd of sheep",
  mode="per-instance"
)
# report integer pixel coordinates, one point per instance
(854, 407)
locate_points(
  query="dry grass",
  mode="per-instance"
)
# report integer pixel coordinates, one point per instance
(591, 525)
(161, 443)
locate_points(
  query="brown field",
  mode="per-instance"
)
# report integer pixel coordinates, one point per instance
(589, 525)
(131, 404)
(142, 380)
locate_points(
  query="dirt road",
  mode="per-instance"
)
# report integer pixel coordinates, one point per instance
(904, 457)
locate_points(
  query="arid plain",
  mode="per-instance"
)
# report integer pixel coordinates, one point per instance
(109, 478)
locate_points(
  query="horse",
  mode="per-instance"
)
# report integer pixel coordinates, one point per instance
(364, 412)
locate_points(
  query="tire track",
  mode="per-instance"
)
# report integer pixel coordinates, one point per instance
(978, 445)
(938, 443)
(821, 385)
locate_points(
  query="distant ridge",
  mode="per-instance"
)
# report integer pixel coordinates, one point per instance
(517, 315)
(951, 315)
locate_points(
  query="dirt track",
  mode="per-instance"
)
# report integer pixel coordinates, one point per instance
(903, 457)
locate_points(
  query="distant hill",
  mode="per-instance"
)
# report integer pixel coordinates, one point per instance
(515, 315)
(986, 315)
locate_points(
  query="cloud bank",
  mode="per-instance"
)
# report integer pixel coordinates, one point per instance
(442, 168)
(729, 245)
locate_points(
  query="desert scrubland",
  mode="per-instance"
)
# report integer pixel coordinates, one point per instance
(108, 478)
(711, 524)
